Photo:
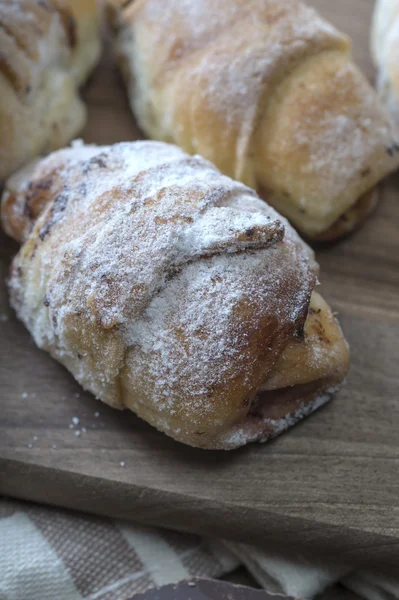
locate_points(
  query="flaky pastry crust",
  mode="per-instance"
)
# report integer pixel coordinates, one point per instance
(47, 49)
(172, 290)
(267, 91)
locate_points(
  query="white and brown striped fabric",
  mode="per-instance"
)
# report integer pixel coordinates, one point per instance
(48, 554)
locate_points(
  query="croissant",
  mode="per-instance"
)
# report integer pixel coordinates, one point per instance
(385, 51)
(47, 49)
(266, 90)
(172, 290)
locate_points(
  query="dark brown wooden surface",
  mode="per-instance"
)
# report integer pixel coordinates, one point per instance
(331, 483)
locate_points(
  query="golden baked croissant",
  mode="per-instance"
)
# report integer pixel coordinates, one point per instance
(385, 50)
(47, 49)
(170, 289)
(266, 90)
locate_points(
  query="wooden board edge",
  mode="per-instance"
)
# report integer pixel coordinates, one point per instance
(184, 513)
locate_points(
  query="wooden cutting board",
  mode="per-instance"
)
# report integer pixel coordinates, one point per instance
(331, 482)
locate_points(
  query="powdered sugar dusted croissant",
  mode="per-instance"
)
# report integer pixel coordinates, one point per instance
(385, 50)
(47, 49)
(267, 91)
(170, 289)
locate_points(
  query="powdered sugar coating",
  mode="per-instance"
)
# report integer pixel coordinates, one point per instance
(205, 321)
(267, 91)
(230, 54)
(28, 34)
(160, 283)
(48, 47)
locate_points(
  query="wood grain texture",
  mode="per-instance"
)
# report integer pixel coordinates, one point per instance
(331, 483)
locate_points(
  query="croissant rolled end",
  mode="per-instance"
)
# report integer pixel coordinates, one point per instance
(308, 373)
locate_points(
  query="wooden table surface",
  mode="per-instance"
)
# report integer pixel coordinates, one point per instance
(331, 484)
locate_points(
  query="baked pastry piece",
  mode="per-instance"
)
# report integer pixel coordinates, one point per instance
(170, 289)
(385, 51)
(47, 49)
(267, 91)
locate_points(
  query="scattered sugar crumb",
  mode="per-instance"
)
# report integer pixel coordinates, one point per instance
(35, 438)
(84, 430)
(77, 433)
(96, 414)
(122, 463)
(24, 395)
(75, 420)
(54, 446)
(30, 446)
(72, 426)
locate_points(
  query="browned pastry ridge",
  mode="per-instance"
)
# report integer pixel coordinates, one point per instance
(47, 49)
(172, 290)
(267, 91)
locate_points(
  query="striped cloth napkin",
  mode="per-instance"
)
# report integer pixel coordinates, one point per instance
(48, 554)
